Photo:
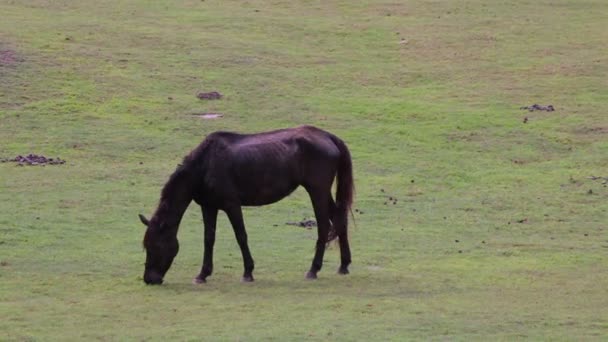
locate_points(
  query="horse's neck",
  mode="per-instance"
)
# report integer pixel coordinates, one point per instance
(175, 201)
(175, 211)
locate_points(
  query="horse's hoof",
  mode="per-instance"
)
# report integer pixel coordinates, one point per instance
(311, 275)
(247, 279)
(198, 280)
(343, 270)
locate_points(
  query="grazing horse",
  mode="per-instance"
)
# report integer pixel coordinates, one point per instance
(229, 170)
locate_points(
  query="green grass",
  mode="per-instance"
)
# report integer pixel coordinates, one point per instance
(498, 231)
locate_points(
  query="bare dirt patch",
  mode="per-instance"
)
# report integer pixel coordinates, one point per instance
(464, 136)
(208, 116)
(603, 180)
(213, 95)
(589, 134)
(9, 57)
(593, 130)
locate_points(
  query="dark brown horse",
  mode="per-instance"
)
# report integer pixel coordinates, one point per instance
(229, 170)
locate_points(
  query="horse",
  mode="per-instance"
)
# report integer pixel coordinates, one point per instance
(229, 170)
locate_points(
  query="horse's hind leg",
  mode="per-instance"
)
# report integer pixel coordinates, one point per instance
(320, 205)
(339, 223)
(235, 215)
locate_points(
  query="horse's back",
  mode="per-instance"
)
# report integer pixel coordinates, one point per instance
(304, 138)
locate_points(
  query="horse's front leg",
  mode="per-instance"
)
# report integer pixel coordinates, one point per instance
(235, 215)
(209, 220)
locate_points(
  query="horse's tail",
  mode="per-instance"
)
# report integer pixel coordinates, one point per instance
(345, 190)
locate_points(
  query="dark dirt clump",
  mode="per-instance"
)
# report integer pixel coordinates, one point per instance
(390, 199)
(34, 159)
(214, 95)
(536, 107)
(304, 223)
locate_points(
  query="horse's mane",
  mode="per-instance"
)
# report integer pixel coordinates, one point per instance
(172, 183)
(191, 163)
(167, 197)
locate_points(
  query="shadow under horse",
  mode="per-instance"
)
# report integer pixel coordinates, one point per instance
(229, 170)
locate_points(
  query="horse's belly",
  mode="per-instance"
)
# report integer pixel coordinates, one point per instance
(266, 193)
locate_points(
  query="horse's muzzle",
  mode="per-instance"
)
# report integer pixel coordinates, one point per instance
(152, 278)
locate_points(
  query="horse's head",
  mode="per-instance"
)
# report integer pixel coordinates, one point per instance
(161, 247)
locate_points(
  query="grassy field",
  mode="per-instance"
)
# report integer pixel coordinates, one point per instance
(498, 231)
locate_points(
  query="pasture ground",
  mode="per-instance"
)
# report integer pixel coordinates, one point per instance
(498, 231)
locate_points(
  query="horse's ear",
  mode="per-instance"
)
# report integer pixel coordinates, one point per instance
(144, 220)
